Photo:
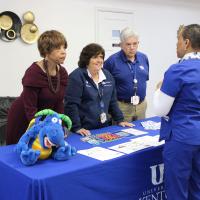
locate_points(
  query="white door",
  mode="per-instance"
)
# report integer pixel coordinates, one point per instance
(109, 23)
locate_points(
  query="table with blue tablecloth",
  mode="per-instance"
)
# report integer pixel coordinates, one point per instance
(134, 176)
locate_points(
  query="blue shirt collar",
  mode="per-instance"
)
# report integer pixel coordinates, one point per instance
(125, 59)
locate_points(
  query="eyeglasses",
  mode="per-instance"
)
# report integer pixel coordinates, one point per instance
(129, 45)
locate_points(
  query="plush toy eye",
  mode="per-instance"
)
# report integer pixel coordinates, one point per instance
(54, 120)
(60, 121)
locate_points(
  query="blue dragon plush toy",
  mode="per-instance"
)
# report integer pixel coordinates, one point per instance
(45, 138)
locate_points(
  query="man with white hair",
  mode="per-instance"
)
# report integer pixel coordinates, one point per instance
(130, 69)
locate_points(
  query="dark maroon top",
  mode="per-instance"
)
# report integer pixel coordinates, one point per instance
(36, 95)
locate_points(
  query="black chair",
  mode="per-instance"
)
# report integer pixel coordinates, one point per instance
(5, 103)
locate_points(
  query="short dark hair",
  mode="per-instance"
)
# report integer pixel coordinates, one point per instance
(50, 40)
(88, 52)
(192, 33)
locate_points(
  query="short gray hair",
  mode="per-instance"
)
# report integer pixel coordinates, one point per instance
(126, 33)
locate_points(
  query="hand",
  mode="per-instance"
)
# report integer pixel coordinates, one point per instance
(126, 124)
(159, 84)
(83, 132)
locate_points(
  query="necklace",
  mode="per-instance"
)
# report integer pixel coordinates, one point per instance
(55, 90)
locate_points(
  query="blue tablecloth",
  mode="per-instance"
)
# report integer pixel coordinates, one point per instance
(135, 176)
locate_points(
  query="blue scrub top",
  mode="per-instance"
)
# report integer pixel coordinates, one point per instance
(182, 81)
(123, 71)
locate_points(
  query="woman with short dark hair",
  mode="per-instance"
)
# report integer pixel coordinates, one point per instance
(44, 83)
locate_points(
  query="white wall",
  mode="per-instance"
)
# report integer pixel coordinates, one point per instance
(155, 20)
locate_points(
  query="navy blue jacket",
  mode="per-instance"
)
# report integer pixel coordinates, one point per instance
(82, 100)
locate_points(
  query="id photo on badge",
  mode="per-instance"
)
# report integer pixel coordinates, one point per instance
(135, 100)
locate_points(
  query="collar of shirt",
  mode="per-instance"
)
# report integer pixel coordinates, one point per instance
(192, 55)
(102, 77)
(126, 60)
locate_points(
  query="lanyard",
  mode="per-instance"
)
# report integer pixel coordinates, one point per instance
(99, 88)
(100, 93)
(135, 81)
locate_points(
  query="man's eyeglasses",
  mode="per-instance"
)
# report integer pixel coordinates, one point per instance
(129, 45)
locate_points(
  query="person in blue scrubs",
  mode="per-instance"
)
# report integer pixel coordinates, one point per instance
(130, 69)
(177, 100)
(90, 94)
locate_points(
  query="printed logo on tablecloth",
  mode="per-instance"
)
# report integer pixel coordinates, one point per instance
(157, 190)
(157, 178)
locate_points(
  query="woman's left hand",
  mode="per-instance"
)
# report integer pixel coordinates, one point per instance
(126, 124)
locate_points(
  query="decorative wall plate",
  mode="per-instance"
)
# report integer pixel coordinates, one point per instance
(29, 33)
(5, 22)
(14, 31)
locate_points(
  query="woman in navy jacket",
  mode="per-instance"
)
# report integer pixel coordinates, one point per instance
(90, 95)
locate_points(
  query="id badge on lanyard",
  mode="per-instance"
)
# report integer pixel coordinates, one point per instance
(135, 100)
(103, 116)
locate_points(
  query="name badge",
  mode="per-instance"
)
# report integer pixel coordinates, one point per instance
(135, 100)
(103, 117)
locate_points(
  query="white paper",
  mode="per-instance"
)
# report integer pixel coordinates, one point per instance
(151, 125)
(100, 153)
(149, 140)
(156, 141)
(134, 131)
(137, 144)
(129, 147)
